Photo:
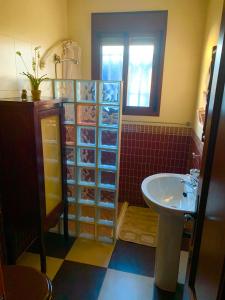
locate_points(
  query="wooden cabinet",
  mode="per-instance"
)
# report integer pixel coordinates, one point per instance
(32, 174)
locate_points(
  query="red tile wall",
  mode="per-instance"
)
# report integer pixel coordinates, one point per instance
(146, 150)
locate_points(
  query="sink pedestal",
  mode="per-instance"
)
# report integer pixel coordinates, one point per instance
(168, 251)
(172, 196)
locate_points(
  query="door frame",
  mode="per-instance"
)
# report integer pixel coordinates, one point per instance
(216, 96)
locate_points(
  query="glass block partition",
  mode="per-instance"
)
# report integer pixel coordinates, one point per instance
(92, 128)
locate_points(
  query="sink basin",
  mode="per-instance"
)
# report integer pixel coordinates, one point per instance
(168, 192)
(172, 196)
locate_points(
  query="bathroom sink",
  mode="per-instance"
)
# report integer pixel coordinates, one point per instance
(169, 193)
(172, 196)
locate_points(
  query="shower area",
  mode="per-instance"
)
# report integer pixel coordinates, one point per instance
(92, 129)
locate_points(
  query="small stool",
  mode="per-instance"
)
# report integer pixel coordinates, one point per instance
(26, 283)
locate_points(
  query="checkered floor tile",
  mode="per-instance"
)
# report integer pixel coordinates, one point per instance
(88, 270)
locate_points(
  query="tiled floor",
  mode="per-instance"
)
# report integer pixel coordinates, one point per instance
(87, 270)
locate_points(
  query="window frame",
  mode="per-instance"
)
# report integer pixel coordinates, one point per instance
(124, 26)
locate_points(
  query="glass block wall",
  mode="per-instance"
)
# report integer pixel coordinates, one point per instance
(92, 129)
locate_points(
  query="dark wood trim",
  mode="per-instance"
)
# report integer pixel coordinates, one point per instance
(53, 217)
(221, 294)
(214, 109)
(23, 189)
(209, 90)
(41, 188)
(41, 115)
(123, 25)
(2, 256)
(51, 220)
(44, 221)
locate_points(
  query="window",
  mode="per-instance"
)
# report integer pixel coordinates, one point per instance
(139, 78)
(130, 47)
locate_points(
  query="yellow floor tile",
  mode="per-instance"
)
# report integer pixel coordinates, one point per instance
(90, 252)
(33, 260)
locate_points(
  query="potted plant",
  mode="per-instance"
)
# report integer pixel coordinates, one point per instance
(34, 78)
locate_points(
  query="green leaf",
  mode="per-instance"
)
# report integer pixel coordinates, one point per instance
(34, 79)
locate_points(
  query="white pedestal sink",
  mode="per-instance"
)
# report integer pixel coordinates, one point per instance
(172, 196)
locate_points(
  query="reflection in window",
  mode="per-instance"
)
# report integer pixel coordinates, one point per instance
(139, 75)
(112, 62)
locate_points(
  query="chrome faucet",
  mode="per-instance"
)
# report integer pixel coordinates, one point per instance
(191, 183)
(194, 178)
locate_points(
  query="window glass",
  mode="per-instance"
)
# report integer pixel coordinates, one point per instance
(139, 75)
(112, 62)
(130, 47)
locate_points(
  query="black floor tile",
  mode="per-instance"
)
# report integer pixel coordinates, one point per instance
(133, 258)
(163, 295)
(56, 245)
(76, 281)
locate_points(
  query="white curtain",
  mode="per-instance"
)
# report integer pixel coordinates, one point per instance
(71, 67)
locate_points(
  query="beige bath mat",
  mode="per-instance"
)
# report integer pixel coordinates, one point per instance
(139, 226)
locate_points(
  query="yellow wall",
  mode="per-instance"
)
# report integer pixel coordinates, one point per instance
(183, 48)
(211, 36)
(25, 24)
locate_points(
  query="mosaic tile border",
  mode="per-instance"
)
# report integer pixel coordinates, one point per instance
(155, 129)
